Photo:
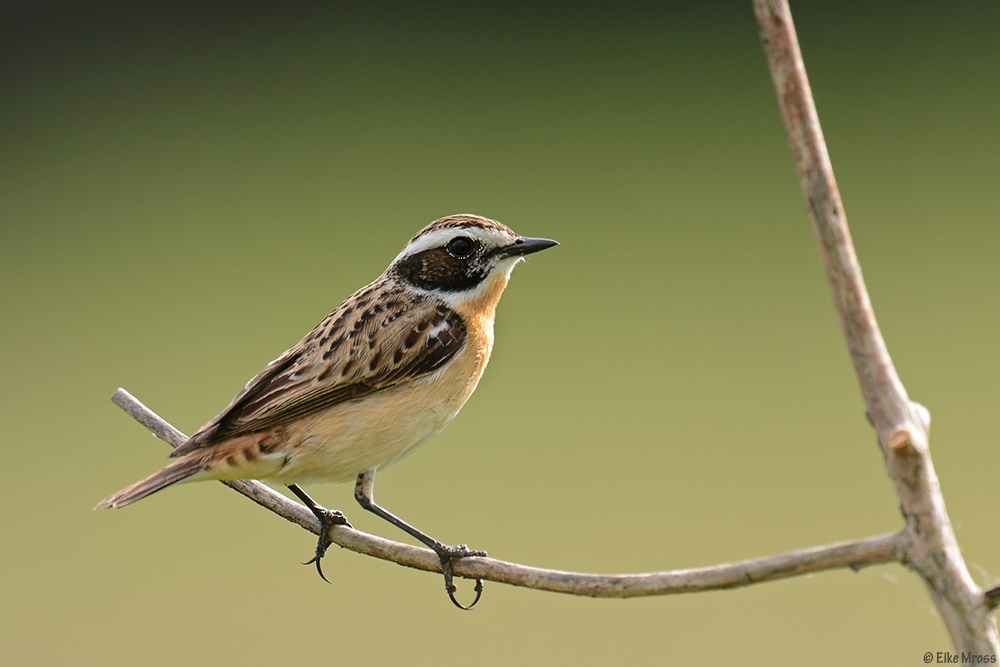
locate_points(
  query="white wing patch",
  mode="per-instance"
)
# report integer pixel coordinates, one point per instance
(444, 326)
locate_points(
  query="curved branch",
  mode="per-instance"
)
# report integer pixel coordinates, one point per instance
(855, 554)
(902, 426)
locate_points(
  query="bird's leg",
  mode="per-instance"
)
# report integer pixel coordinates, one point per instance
(364, 493)
(327, 519)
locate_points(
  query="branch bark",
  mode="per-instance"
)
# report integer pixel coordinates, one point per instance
(855, 554)
(902, 425)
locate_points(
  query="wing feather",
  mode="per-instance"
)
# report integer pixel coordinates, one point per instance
(377, 339)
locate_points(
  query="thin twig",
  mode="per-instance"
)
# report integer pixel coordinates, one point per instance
(855, 554)
(902, 426)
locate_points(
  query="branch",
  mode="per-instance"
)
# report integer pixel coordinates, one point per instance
(902, 426)
(855, 555)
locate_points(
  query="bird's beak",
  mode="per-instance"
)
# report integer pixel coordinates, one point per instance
(525, 246)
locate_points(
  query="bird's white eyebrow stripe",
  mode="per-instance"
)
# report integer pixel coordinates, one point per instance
(438, 238)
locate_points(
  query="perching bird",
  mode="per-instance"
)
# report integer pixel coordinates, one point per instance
(380, 376)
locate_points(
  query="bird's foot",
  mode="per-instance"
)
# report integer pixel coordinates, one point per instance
(448, 555)
(327, 519)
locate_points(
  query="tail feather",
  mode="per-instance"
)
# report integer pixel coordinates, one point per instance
(173, 473)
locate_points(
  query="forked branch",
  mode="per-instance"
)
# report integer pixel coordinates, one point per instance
(855, 555)
(902, 426)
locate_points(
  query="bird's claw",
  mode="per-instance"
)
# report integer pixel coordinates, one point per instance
(447, 555)
(327, 519)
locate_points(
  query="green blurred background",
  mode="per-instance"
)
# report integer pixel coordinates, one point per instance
(185, 190)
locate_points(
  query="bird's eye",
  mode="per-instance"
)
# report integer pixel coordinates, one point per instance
(460, 247)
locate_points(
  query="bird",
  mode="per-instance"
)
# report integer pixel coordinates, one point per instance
(381, 375)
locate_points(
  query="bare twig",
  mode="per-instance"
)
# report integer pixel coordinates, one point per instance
(855, 555)
(902, 426)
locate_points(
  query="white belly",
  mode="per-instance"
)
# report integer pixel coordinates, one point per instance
(379, 429)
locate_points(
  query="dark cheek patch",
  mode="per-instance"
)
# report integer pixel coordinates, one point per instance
(436, 269)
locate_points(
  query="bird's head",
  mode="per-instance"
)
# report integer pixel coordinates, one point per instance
(462, 257)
